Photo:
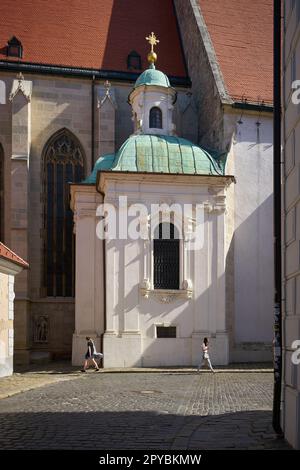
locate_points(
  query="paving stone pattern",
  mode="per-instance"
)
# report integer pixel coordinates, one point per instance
(172, 410)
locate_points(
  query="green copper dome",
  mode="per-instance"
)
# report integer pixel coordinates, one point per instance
(103, 163)
(151, 76)
(149, 153)
(164, 154)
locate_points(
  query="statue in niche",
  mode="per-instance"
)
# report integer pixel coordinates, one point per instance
(41, 329)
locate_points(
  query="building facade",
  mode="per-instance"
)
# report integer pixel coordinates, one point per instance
(59, 116)
(10, 265)
(163, 294)
(291, 224)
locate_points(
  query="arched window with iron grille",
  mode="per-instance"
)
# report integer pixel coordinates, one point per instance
(155, 118)
(166, 254)
(1, 194)
(64, 162)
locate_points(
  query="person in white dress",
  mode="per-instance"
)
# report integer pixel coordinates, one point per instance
(205, 356)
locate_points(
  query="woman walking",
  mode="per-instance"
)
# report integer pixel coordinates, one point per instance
(91, 355)
(205, 356)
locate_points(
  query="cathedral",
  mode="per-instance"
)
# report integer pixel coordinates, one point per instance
(97, 112)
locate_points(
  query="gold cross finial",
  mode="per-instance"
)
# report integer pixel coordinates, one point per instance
(152, 40)
(152, 57)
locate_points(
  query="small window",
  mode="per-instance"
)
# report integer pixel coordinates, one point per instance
(134, 61)
(155, 118)
(14, 48)
(166, 331)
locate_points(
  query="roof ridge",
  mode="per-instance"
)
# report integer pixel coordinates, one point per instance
(7, 253)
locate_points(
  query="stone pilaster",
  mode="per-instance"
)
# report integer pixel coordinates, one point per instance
(89, 287)
(20, 97)
(105, 120)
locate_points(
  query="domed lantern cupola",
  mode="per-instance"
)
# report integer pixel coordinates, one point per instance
(152, 99)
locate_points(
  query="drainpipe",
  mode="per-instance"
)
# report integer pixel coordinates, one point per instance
(277, 345)
(93, 121)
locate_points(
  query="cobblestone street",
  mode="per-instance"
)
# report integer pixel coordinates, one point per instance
(171, 410)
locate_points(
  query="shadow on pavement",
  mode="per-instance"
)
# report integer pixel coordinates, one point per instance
(136, 430)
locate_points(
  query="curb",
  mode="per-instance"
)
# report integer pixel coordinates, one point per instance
(182, 371)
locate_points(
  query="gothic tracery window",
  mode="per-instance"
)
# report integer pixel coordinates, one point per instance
(155, 118)
(1, 194)
(166, 247)
(63, 164)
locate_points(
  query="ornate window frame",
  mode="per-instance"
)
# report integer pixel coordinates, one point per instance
(147, 289)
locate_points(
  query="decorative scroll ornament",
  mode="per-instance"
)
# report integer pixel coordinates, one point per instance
(145, 288)
(166, 296)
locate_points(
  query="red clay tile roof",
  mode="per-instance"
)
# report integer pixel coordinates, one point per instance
(242, 35)
(96, 34)
(11, 256)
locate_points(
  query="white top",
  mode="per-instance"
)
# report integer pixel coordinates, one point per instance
(205, 351)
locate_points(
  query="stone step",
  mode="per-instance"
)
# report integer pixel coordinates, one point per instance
(40, 357)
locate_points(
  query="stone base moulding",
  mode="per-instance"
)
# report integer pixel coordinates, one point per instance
(122, 350)
(128, 349)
